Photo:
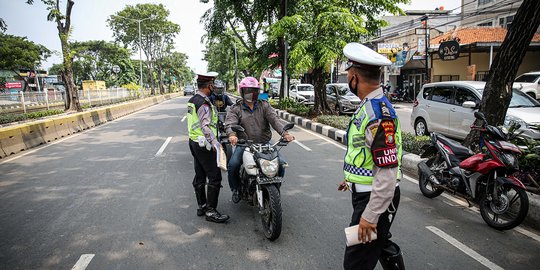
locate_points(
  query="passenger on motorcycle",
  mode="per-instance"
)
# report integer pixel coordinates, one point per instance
(219, 98)
(256, 117)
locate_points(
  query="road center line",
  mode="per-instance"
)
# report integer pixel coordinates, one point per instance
(336, 144)
(83, 262)
(468, 251)
(302, 145)
(160, 151)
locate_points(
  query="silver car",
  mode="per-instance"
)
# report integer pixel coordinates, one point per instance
(303, 93)
(448, 108)
(341, 99)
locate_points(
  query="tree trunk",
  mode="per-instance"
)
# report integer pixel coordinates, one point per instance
(63, 33)
(161, 84)
(498, 90)
(321, 105)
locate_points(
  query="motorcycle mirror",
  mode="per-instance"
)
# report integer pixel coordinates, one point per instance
(237, 128)
(480, 116)
(288, 126)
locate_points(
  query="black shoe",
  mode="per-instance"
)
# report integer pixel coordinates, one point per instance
(201, 210)
(235, 196)
(213, 215)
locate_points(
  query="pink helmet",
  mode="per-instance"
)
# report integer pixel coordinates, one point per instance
(248, 82)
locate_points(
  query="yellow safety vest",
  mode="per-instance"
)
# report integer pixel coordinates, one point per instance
(358, 165)
(194, 126)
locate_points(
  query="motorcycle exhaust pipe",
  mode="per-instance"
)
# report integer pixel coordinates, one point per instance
(424, 169)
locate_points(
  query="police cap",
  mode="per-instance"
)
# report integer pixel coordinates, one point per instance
(360, 55)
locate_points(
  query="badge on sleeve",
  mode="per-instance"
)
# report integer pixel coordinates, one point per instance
(383, 148)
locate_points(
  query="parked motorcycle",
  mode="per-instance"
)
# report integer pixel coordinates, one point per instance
(259, 180)
(399, 96)
(484, 178)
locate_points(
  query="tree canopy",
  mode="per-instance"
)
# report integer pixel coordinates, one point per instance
(18, 52)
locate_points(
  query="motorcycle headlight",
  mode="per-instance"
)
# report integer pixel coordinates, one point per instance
(269, 167)
(509, 120)
(510, 160)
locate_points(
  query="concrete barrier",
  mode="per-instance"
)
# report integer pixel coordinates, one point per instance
(17, 138)
(48, 131)
(33, 134)
(62, 127)
(11, 139)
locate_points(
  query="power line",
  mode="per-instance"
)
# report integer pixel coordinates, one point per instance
(472, 14)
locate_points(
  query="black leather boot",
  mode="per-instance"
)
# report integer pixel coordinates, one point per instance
(212, 214)
(200, 194)
(391, 257)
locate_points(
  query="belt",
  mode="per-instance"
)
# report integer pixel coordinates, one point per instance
(357, 188)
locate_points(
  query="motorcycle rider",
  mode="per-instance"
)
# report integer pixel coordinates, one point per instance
(219, 98)
(256, 117)
(372, 163)
(203, 144)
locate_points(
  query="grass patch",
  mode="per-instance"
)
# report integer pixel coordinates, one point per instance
(10, 118)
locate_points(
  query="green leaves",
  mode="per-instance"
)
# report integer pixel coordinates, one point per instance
(19, 52)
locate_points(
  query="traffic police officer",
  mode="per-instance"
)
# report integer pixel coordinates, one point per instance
(203, 143)
(372, 163)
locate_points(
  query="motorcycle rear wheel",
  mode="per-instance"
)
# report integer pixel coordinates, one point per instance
(508, 210)
(426, 187)
(271, 212)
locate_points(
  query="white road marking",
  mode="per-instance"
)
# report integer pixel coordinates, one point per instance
(160, 151)
(184, 118)
(302, 145)
(83, 262)
(476, 210)
(35, 149)
(468, 251)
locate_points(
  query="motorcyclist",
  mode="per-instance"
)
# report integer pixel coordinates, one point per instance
(256, 117)
(219, 98)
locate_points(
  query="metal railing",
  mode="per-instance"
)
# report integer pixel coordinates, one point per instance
(23, 102)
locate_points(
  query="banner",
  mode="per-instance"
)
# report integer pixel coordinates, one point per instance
(388, 48)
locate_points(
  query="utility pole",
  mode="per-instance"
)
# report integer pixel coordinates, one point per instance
(426, 41)
(284, 50)
(140, 48)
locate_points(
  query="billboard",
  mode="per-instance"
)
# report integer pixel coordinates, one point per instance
(388, 48)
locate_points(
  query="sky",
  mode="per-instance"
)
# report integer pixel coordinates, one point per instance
(89, 22)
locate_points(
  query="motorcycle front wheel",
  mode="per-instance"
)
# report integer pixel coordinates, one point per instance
(271, 212)
(506, 211)
(426, 187)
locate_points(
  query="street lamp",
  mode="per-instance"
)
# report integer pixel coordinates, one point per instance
(140, 46)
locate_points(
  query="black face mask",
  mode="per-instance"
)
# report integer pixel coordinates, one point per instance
(355, 90)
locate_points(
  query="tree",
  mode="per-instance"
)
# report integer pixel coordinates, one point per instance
(245, 20)
(176, 69)
(319, 30)
(96, 58)
(156, 30)
(20, 53)
(498, 90)
(63, 24)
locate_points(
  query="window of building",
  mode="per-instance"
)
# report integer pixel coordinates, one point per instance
(484, 2)
(506, 21)
(486, 24)
(445, 78)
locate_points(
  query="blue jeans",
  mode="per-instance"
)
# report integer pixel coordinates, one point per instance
(233, 168)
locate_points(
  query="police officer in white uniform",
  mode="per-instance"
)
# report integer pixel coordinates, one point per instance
(372, 163)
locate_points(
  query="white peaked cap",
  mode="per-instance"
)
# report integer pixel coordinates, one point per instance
(360, 54)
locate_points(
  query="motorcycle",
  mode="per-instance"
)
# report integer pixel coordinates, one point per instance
(399, 96)
(259, 180)
(484, 178)
(222, 135)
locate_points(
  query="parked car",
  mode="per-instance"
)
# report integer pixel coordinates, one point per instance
(448, 108)
(189, 90)
(341, 98)
(303, 93)
(529, 83)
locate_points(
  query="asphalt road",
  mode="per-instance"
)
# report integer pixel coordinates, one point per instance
(108, 198)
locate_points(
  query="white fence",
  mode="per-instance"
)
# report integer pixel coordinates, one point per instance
(25, 101)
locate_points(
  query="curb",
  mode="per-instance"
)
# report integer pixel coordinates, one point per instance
(409, 161)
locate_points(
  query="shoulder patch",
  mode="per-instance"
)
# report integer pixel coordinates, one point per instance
(383, 148)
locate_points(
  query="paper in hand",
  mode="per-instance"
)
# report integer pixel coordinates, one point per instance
(351, 234)
(221, 159)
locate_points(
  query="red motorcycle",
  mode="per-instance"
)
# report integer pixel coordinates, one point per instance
(484, 178)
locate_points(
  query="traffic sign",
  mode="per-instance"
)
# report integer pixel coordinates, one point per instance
(116, 69)
(10, 85)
